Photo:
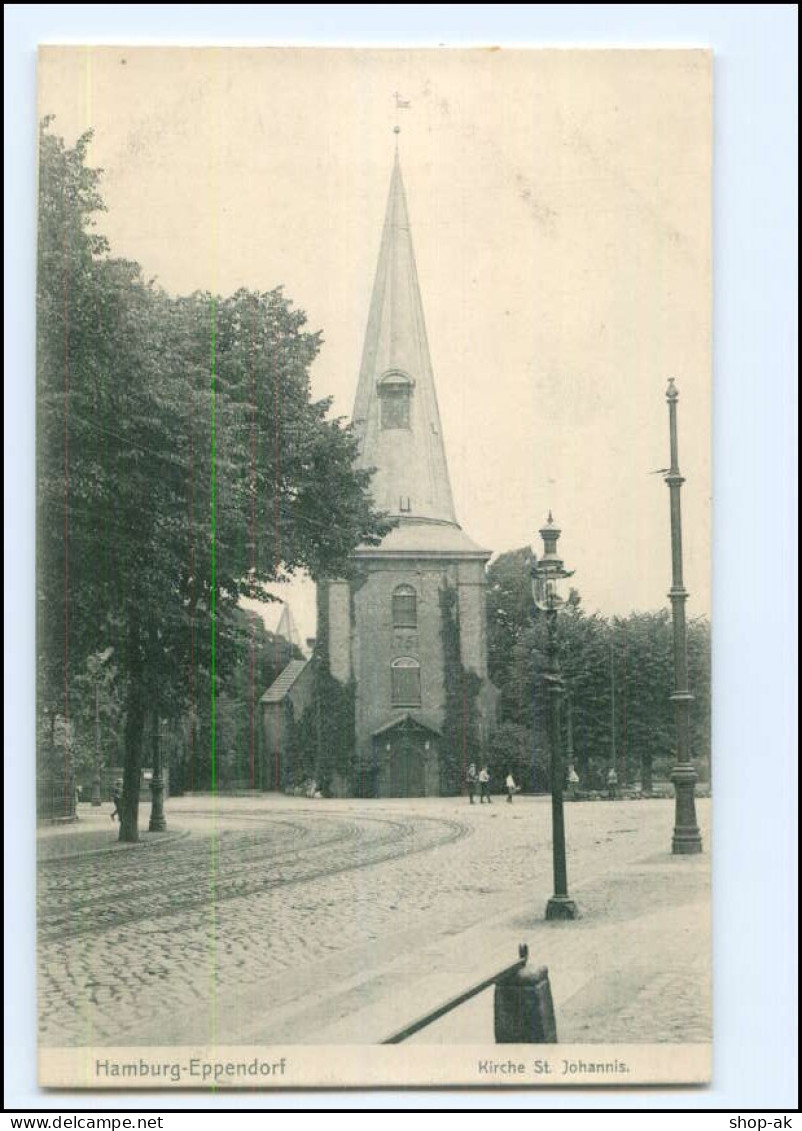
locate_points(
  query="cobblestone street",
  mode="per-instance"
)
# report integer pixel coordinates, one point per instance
(274, 919)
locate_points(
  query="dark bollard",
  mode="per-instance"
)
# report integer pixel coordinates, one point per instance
(524, 1010)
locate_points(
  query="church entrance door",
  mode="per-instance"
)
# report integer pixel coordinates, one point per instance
(406, 765)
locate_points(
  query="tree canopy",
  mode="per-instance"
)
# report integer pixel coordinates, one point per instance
(182, 463)
(618, 677)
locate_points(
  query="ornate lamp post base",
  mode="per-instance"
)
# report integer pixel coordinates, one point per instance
(687, 839)
(561, 907)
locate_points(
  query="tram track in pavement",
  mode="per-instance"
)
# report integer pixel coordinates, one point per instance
(94, 895)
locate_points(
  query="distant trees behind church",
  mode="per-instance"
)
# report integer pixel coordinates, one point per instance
(618, 674)
(181, 464)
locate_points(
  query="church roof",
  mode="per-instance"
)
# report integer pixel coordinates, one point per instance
(277, 690)
(425, 539)
(411, 477)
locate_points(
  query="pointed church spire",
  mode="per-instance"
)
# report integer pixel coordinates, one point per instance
(395, 412)
(287, 628)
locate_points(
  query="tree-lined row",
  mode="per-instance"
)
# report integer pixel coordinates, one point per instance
(181, 464)
(618, 675)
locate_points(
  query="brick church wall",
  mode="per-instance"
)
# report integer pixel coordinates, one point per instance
(473, 617)
(380, 644)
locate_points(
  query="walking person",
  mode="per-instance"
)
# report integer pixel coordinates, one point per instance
(612, 784)
(470, 781)
(484, 786)
(511, 787)
(573, 782)
(117, 798)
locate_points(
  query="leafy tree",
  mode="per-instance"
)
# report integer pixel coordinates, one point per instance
(68, 253)
(509, 615)
(304, 754)
(182, 464)
(461, 743)
(98, 713)
(512, 750)
(618, 676)
(322, 746)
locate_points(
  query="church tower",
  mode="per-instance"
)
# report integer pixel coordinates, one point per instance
(409, 633)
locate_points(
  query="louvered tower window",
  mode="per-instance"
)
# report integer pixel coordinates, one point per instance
(405, 607)
(395, 397)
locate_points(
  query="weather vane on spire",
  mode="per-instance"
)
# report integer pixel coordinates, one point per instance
(400, 104)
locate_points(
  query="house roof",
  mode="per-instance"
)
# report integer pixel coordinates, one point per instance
(277, 691)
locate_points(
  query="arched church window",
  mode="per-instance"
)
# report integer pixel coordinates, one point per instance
(405, 607)
(395, 396)
(405, 682)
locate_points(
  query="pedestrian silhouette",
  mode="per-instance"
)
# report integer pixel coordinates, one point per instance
(612, 784)
(117, 798)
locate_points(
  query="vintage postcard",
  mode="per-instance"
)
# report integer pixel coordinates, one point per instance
(373, 567)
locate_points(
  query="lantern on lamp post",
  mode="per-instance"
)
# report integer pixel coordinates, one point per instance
(548, 577)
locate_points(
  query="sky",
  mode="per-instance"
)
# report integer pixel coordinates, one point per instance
(560, 204)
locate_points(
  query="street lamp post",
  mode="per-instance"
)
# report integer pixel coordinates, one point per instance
(547, 576)
(613, 755)
(573, 778)
(686, 839)
(570, 734)
(158, 824)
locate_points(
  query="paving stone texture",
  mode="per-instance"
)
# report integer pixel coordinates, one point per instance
(283, 920)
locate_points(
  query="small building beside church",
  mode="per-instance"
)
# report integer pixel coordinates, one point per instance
(282, 706)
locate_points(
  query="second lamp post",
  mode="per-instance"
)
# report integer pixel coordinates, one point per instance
(548, 575)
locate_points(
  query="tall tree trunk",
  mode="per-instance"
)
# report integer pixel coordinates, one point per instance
(134, 731)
